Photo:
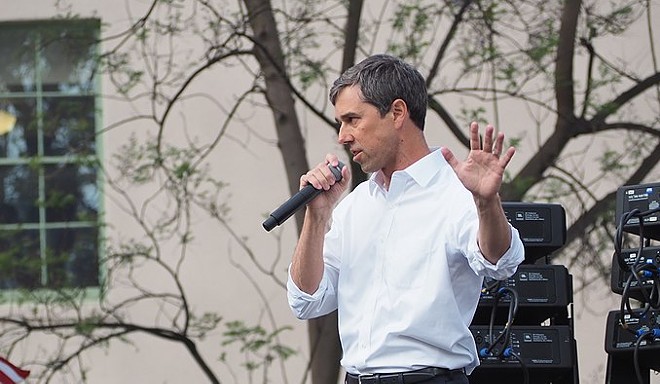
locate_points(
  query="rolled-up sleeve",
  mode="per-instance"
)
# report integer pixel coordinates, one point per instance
(505, 267)
(324, 299)
(321, 302)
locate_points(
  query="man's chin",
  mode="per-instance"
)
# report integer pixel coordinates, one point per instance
(366, 168)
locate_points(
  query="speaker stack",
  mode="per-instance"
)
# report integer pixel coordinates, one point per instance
(523, 326)
(632, 337)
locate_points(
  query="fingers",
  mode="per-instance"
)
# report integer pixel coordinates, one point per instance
(499, 142)
(321, 177)
(504, 161)
(488, 139)
(345, 175)
(489, 145)
(475, 141)
(331, 159)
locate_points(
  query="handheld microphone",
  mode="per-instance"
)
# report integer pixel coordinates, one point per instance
(297, 201)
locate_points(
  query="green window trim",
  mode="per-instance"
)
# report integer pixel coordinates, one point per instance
(50, 182)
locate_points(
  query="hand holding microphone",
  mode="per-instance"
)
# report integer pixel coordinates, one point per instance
(300, 199)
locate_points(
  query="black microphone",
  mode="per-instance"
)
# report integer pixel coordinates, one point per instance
(297, 201)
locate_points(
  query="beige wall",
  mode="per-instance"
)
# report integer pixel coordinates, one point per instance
(252, 165)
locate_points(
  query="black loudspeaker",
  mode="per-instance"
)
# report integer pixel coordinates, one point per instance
(623, 336)
(647, 265)
(542, 227)
(645, 198)
(543, 354)
(544, 292)
(632, 342)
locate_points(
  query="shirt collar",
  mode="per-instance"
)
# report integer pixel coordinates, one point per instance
(422, 171)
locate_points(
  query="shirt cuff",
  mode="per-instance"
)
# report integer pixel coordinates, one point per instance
(305, 305)
(506, 266)
(297, 293)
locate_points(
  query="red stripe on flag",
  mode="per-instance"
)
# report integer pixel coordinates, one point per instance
(11, 374)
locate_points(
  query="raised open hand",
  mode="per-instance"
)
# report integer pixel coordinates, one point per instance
(481, 173)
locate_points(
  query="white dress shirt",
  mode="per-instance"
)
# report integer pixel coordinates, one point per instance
(403, 268)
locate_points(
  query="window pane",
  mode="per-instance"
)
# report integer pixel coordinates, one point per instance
(19, 194)
(72, 257)
(67, 64)
(22, 140)
(20, 263)
(48, 179)
(69, 126)
(17, 64)
(71, 193)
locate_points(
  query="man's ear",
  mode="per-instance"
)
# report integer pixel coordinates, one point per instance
(399, 112)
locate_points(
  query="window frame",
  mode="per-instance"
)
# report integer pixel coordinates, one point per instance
(41, 162)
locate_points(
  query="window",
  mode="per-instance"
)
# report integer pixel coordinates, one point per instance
(49, 193)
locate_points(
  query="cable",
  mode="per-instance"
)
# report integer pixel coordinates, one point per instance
(490, 285)
(648, 270)
(642, 336)
(618, 242)
(488, 289)
(506, 332)
(640, 270)
(650, 295)
(522, 365)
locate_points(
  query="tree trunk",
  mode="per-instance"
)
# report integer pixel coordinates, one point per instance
(547, 155)
(325, 349)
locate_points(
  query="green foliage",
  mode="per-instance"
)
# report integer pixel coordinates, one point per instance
(614, 21)
(87, 326)
(127, 253)
(607, 108)
(477, 114)
(259, 346)
(202, 325)
(514, 141)
(139, 162)
(301, 39)
(542, 43)
(516, 188)
(310, 72)
(123, 75)
(411, 25)
(135, 162)
(610, 161)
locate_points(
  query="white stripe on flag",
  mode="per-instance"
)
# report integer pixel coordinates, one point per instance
(9, 372)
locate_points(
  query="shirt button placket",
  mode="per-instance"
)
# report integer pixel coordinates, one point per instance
(375, 289)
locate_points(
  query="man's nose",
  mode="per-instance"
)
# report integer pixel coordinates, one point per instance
(344, 136)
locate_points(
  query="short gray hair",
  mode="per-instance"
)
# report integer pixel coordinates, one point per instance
(383, 79)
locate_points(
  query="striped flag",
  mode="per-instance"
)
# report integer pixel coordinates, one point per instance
(11, 374)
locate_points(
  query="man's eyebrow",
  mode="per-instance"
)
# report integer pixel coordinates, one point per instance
(346, 116)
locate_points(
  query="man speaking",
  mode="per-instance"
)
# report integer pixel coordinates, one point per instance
(403, 256)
